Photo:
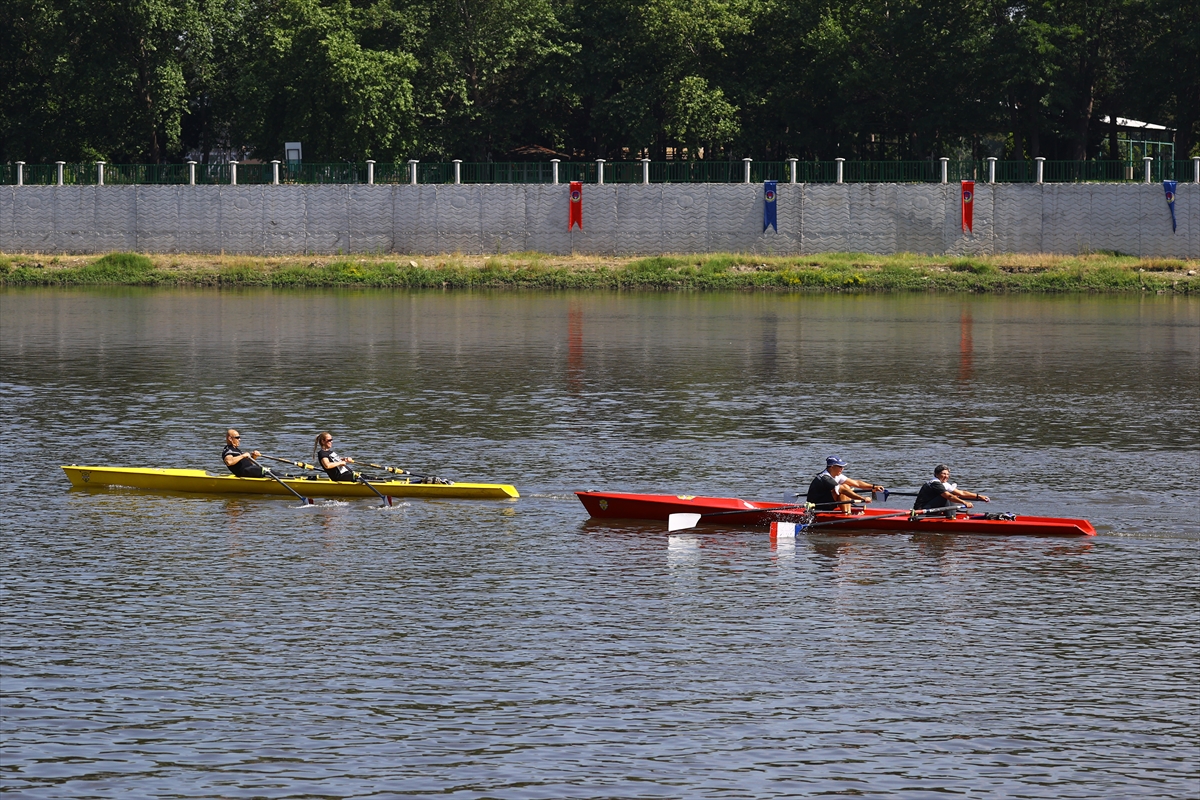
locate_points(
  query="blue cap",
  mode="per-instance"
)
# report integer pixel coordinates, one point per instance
(834, 461)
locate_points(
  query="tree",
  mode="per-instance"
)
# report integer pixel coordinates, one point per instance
(309, 77)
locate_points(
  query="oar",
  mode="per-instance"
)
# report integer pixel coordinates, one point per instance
(398, 471)
(387, 500)
(888, 493)
(681, 521)
(299, 464)
(861, 518)
(270, 474)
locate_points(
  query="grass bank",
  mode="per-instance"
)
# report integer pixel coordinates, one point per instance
(905, 272)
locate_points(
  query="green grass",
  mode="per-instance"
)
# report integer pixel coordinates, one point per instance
(827, 272)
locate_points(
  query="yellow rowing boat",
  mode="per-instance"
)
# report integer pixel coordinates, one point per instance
(200, 481)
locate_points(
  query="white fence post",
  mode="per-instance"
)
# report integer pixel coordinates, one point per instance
(60, 171)
(99, 173)
(793, 163)
(457, 171)
(600, 171)
(554, 169)
(412, 171)
(645, 172)
(1041, 169)
(191, 173)
(1196, 169)
(746, 170)
(1146, 174)
(370, 172)
(274, 172)
(20, 173)
(233, 173)
(945, 169)
(991, 169)
(841, 162)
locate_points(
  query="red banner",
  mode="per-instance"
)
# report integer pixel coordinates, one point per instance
(576, 215)
(968, 206)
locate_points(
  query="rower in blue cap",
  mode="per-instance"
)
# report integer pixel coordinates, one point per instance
(833, 489)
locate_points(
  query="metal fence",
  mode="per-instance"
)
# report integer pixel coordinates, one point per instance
(621, 172)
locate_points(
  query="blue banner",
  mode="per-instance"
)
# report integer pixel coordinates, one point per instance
(1169, 188)
(769, 196)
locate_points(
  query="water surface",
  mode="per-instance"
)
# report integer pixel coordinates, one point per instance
(172, 646)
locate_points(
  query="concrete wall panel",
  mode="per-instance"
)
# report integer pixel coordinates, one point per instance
(1018, 218)
(242, 219)
(502, 223)
(600, 227)
(546, 218)
(199, 219)
(826, 218)
(735, 216)
(685, 218)
(327, 219)
(639, 219)
(157, 228)
(873, 214)
(1154, 222)
(285, 225)
(370, 218)
(7, 202)
(74, 220)
(980, 240)
(415, 219)
(459, 214)
(115, 217)
(1110, 209)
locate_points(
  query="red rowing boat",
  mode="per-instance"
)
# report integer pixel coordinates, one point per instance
(741, 513)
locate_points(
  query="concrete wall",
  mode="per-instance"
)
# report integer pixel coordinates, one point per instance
(618, 220)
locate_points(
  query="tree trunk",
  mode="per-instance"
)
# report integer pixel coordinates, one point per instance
(147, 100)
(1014, 116)
(1114, 142)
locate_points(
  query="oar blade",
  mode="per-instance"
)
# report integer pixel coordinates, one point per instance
(679, 522)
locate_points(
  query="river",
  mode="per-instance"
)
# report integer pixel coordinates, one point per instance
(166, 645)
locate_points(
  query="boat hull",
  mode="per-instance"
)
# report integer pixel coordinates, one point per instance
(201, 482)
(614, 505)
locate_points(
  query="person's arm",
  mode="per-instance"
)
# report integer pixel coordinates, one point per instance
(964, 495)
(857, 484)
(327, 463)
(952, 495)
(844, 491)
(230, 460)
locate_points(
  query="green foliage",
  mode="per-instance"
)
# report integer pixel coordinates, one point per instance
(148, 80)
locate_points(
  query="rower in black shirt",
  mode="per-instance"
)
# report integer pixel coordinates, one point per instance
(239, 463)
(941, 493)
(336, 467)
(831, 488)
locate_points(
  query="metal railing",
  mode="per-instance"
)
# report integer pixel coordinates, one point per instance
(618, 172)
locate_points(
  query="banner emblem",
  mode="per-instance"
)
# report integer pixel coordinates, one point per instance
(769, 204)
(968, 206)
(575, 217)
(1169, 187)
